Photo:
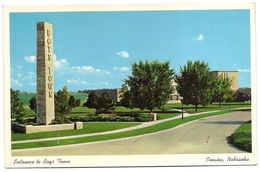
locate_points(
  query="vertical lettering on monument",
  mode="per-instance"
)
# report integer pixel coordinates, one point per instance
(45, 79)
(49, 51)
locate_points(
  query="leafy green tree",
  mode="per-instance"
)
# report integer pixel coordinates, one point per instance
(17, 109)
(222, 91)
(105, 103)
(195, 83)
(92, 101)
(73, 102)
(33, 104)
(127, 100)
(150, 83)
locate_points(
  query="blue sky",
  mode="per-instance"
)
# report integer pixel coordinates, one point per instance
(94, 50)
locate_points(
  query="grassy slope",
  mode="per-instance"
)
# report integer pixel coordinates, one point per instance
(242, 138)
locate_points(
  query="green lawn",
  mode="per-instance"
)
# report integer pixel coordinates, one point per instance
(87, 129)
(81, 111)
(242, 138)
(93, 127)
(25, 97)
(150, 129)
(212, 107)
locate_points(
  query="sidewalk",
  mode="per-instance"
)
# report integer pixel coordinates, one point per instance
(142, 125)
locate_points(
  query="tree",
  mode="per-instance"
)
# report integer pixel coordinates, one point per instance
(73, 102)
(101, 104)
(105, 103)
(66, 92)
(195, 83)
(126, 97)
(17, 109)
(127, 100)
(32, 104)
(222, 91)
(92, 101)
(62, 101)
(150, 83)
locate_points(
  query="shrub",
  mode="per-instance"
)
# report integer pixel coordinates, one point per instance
(242, 140)
(126, 119)
(143, 118)
(60, 119)
(27, 121)
(75, 119)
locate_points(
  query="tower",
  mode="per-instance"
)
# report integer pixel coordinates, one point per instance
(45, 79)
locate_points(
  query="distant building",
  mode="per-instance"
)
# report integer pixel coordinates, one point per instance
(114, 93)
(244, 94)
(232, 75)
(175, 96)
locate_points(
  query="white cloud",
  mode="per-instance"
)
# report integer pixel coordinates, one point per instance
(200, 37)
(123, 54)
(19, 75)
(88, 68)
(121, 68)
(77, 82)
(76, 67)
(72, 81)
(30, 59)
(59, 63)
(83, 82)
(124, 69)
(106, 72)
(15, 82)
(85, 68)
(244, 70)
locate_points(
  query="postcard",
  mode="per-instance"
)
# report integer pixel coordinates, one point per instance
(130, 85)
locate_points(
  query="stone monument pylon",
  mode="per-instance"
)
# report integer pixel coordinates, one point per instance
(45, 79)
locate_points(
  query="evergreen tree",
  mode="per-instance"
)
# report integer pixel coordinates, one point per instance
(73, 102)
(33, 104)
(17, 109)
(92, 101)
(105, 103)
(64, 102)
(66, 92)
(127, 100)
(61, 103)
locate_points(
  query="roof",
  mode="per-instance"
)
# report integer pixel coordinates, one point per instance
(246, 91)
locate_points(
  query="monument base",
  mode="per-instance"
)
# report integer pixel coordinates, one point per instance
(20, 128)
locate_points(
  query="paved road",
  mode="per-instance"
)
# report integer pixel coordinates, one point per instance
(208, 135)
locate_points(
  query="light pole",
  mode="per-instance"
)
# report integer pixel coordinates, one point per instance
(181, 98)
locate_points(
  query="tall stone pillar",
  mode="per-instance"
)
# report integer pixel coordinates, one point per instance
(45, 79)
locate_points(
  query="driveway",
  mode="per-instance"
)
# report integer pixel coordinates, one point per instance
(209, 135)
